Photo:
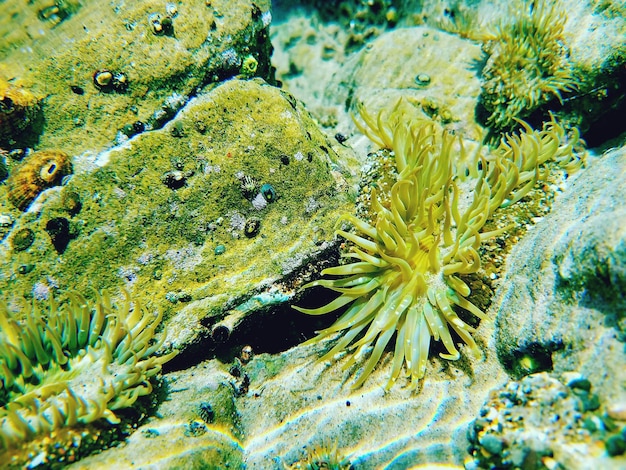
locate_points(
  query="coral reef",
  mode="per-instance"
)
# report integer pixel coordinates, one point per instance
(70, 365)
(528, 64)
(424, 236)
(40, 171)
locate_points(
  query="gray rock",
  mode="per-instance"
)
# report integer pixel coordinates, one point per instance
(563, 298)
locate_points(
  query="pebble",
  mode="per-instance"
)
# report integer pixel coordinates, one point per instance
(492, 444)
(581, 384)
(615, 445)
(617, 411)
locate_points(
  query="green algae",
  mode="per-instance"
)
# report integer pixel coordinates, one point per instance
(208, 44)
(136, 231)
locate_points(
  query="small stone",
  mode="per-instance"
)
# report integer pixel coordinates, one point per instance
(590, 425)
(220, 249)
(492, 444)
(581, 384)
(617, 411)
(615, 445)
(590, 402)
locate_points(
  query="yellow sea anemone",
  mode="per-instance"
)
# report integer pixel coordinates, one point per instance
(70, 365)
(406, 277)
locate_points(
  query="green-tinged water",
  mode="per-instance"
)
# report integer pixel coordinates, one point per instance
(434, 186)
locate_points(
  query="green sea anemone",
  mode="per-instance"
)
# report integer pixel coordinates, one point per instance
(72, 364)
(408, 262)
(528, 63)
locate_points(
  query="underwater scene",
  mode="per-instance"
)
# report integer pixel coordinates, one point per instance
(315, 235)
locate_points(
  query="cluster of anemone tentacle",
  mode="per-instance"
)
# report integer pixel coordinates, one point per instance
(528, 64)
(406, 268)
(73, 364)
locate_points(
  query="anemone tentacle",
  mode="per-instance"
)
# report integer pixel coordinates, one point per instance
(403, 277)
(73, 364)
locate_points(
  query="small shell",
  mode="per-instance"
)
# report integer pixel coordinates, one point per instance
(268, 192)
(40, 171)
(252, 227)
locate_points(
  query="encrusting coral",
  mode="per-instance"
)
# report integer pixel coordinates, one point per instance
(528, 63)
(72, 364)
(408, 262)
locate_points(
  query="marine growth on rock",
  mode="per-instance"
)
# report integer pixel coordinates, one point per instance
(528, 64)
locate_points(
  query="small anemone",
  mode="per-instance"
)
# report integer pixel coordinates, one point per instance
(528, 64)
(321, 457)
(404, 274)
(74, 364)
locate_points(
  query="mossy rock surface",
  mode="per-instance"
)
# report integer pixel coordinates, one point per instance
(207, 42)
(183, 249)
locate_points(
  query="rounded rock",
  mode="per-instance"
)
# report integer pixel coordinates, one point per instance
(492, 444)
(615, 445)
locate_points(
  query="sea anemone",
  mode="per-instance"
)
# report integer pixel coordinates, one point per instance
(528, 64)
(424, 236)
(322, 457)
(72, 364)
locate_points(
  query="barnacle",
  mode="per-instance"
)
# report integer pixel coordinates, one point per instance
(407, 264)
(70, 365)
(528, 63)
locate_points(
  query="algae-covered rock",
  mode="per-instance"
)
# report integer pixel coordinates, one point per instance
(196, 219)
(106, 69)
